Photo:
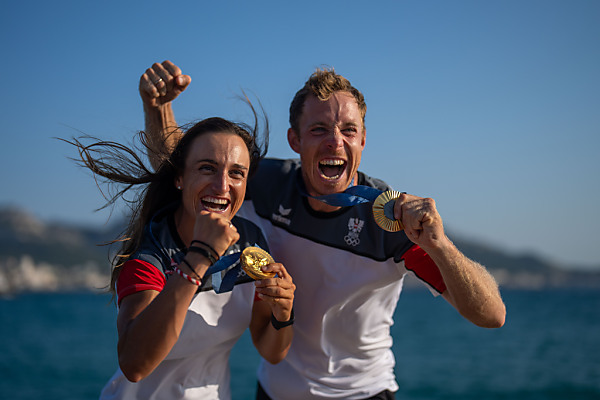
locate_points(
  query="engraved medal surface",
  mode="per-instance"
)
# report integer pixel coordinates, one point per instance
(383, 211)
(252, 259)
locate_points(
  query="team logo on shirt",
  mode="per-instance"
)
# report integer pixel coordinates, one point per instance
(282, 215)
(355, 225)
(173, 265)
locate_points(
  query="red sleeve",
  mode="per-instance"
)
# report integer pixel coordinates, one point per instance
(136, 276)
(419, 262)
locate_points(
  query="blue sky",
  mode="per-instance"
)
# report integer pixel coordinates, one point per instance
(490, 107)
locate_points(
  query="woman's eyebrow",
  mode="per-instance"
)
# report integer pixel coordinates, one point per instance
(211, 161)
(205, 160)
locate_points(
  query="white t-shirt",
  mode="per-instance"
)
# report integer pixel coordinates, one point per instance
(348, 274)
(197, 366)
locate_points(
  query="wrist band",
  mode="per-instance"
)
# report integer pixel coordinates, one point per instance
(190, 267)
(186, 276)
(204, 252)
(278, 324)
(208, 246)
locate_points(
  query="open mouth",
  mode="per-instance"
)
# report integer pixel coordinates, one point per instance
(214, 204)
(332, 169)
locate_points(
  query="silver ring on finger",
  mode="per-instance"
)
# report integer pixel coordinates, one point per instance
(158, 81)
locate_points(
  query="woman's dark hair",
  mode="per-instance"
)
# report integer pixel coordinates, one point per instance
(122, 167)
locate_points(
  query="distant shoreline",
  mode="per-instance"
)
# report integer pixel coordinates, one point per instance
(23, 274)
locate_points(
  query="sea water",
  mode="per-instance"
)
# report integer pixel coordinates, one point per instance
(63, 346)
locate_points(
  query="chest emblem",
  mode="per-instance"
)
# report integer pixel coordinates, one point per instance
(355, 225)
(282, 215)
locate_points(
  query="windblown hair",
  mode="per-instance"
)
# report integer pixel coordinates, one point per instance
(121, 167)
(322, 84)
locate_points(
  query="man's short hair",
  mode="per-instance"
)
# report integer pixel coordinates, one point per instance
(322, 84)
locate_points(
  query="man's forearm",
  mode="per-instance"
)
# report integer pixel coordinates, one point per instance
(471, 289)
(162, 132)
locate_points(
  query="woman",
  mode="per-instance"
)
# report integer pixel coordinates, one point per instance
(175, 332)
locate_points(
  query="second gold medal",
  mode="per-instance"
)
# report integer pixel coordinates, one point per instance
(252, 259)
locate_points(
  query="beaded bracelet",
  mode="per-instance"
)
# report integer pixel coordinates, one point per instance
(208, 246)
(186, 276)
(204, 252)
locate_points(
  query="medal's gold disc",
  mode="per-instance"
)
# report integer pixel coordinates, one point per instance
(383, 211)
(252, 259)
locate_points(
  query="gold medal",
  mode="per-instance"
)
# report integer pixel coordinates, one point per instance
(383, 211)
(252, 259)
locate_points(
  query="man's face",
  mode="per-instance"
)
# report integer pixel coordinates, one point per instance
(330, 142)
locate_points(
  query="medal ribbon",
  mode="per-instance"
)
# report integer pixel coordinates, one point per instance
(350, 197)
(222, 284)
(354, 195)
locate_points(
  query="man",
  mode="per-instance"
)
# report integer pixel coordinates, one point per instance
(348, 272)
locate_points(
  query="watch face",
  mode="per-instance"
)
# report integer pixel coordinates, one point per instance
(252, 259)
(383, 211)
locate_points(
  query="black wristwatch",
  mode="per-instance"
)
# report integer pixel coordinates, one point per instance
(278, 324)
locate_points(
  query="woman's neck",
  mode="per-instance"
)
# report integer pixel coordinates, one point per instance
(184, 226)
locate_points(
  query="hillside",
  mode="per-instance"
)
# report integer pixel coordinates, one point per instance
(528, 271)
(39, 256)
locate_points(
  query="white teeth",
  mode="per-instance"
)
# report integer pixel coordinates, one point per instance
(214, 204)
(213, 209)
(215, 200)
(332, 162)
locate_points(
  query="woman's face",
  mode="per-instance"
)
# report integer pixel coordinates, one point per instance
(215, 174)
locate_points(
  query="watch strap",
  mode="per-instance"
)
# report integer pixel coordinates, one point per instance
(278, 324)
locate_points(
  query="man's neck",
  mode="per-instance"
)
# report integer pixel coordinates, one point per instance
(319, 206)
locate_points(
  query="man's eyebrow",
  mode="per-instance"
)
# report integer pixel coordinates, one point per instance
(240, 166)
(322, 123)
